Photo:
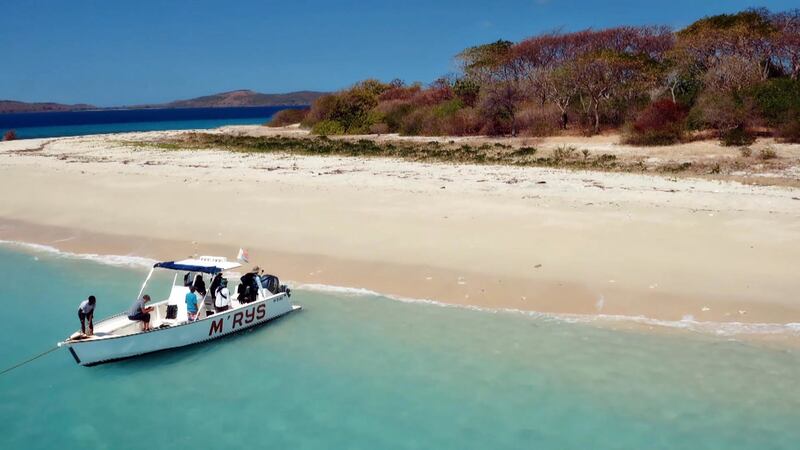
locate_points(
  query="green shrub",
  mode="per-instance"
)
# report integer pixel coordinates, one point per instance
(420, 121)
(790, 131)
(321, 109)
(652, 137)
(695, 120)
(724, 111)
(778, 100)
(379, 128)
(737, 137)
(327, 128)
(767, 153)
(467, 91)
(525, 151)
(350, 108)
(563, 152)
(448, 108)
(393, 113)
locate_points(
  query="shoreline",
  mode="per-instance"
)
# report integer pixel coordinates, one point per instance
(780, 334)
(496, 237)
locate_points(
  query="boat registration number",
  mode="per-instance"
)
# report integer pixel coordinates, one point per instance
(239, 319)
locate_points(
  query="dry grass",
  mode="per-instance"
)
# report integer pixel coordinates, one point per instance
(764, 166)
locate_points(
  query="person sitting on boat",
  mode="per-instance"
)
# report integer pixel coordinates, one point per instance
(191, 304)
(86, 314)
(141, 313)
(222, 298)
(188, 279)
(200, 286)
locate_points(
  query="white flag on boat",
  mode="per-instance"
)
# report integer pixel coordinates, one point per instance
(243, 256)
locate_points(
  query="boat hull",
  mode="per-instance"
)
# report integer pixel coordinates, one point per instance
(96, 351)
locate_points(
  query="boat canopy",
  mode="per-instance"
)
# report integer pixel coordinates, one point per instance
(205, 264)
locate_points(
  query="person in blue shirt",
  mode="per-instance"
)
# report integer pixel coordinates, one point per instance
(191, 304)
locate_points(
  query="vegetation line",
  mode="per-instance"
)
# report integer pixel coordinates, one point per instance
(734, 75)
(568, 157)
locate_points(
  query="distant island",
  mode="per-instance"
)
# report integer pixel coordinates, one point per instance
(239, 98)
(244, 97)
(12, 106)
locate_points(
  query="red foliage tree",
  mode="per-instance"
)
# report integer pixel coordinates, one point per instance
(661, 123)
(659, 115)
(439, 91)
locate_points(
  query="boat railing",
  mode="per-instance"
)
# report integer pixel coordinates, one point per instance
(201, 305)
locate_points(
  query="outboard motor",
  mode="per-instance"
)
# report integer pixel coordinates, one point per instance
(273, 285)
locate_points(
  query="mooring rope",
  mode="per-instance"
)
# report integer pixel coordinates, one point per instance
(5, 371)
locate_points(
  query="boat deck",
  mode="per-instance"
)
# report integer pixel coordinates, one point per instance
(120, 325)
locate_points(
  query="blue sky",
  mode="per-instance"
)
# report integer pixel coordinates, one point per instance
(115, 52)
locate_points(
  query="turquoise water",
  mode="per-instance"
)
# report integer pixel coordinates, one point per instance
(77, 123)
(103, 128)
(369, 372)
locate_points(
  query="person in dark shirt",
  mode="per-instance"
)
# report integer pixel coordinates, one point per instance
(86, 314)
(200, 286)
(215, 283)
(249, 286)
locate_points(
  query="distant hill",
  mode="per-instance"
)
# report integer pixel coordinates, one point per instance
(225, 99)
(245, 98)
(11, 106)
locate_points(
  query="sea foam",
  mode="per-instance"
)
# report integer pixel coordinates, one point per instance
(689, 323)
(113, 260)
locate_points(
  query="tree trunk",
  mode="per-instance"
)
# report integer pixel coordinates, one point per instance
(596, 118)
(513, 125)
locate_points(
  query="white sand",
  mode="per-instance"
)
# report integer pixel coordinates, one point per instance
(527, 238)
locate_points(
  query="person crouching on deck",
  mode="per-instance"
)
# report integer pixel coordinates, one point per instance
(141, 313)
(86, 314)
(191, 304)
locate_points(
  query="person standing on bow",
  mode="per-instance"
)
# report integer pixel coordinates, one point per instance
(86, 314)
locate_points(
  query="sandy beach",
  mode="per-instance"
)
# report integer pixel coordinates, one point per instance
(534, 239)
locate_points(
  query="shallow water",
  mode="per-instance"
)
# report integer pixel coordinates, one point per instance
(79, 123)
(369, 372)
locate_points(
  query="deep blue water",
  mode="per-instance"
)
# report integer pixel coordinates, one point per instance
(76, 123)
(369, 372)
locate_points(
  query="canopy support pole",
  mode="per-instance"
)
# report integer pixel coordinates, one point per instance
(145, 283)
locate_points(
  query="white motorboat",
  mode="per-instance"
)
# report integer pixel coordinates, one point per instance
(118, 337)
